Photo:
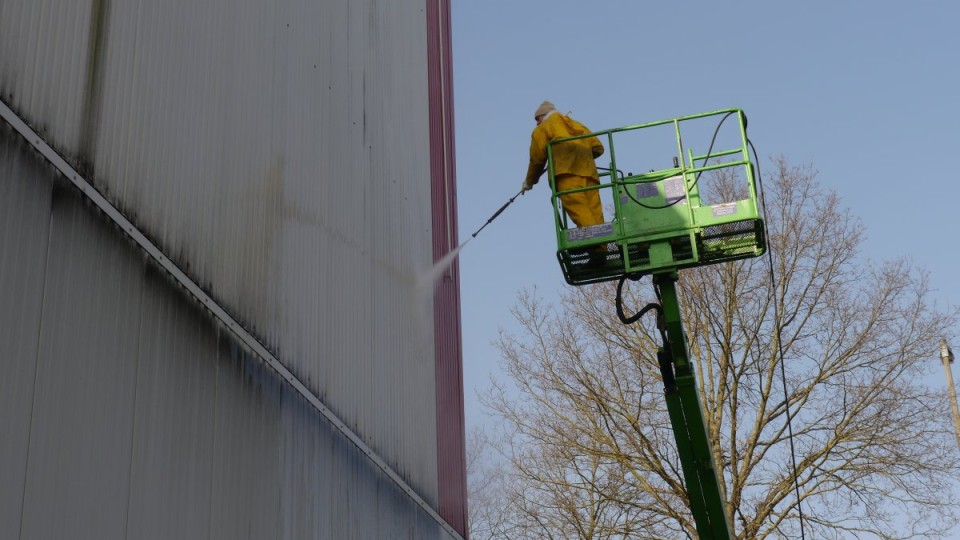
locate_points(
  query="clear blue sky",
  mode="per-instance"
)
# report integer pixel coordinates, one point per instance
(866, 92)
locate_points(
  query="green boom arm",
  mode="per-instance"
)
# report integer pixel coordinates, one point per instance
(686, 416)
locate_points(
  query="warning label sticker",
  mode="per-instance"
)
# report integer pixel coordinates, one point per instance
(647, 189)
(593, 231)
(725, 209)
(673, 189)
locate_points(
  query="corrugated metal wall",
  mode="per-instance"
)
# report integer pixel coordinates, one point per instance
(280, 153)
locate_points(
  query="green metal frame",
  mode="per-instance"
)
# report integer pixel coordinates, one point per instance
(669, 237)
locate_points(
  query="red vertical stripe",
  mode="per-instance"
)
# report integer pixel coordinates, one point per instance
(451, 454)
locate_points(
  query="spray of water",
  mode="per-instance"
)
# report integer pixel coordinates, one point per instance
(427, 281)
(420, 306)
(422, 302)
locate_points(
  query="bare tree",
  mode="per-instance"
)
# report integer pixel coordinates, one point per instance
(490, 512)
(590, 445)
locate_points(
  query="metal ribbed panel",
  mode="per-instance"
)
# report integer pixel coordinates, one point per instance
(81, 424)
(174, 417)
(140, 417)
(45, 64)
(279, 152)
(245, 505)
(24, 220)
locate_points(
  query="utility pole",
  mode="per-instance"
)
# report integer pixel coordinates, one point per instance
(946, 356)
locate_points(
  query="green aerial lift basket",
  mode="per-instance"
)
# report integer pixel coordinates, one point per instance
(662, 219)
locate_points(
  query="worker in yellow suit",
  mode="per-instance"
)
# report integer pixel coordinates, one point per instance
(573, 165)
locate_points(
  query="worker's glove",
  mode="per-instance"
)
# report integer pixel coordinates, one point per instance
(527, 186)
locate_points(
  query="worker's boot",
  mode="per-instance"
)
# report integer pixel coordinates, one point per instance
(598, 256)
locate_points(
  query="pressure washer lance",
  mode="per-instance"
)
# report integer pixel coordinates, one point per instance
(497, 213)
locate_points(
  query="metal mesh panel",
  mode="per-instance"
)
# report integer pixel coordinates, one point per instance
(729, 240)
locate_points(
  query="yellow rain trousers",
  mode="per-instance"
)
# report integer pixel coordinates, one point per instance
(584, 208)
(573, 166)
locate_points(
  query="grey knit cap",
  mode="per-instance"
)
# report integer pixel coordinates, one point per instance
(544, 108)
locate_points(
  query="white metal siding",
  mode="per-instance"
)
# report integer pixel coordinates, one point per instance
(45, 64)
(172, 454)
(81, 423)
(24, 223)
(278, 151)
(132, 414)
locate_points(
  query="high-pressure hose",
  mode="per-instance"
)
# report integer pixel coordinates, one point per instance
(664, 354)
(643, 311)
(654, 306)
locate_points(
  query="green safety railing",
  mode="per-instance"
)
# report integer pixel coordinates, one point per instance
(660, 223)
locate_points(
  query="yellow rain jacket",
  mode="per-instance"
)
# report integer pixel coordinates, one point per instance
(572, 157)
(573, 166)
